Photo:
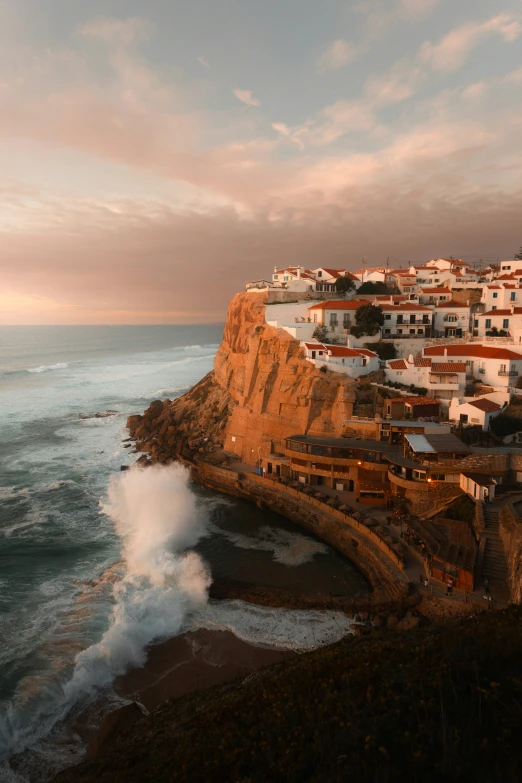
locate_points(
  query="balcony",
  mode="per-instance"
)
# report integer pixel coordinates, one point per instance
(508, 373)
(482, 370)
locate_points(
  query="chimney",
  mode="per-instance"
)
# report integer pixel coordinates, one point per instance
(512, 309)
(275, 269)
(445, 351)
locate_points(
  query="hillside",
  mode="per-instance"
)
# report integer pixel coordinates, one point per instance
(437, 703)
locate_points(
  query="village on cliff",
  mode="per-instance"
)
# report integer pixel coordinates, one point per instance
(435, 355)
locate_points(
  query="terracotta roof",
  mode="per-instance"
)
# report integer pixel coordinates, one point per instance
(333, 272)
(449, 367)
(371, 269)
(479, 351)
(404, 307)
(415, 400)
(435, 291)
(452, 303)
(504, 311)
(422, 362)
(487, 406)
(506, 277)
(398, 364)
(394, 297)
(340, 304)
(315, 346)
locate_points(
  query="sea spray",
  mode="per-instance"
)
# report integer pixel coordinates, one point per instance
(155, 514)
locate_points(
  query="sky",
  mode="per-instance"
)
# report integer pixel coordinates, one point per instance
(156, 156)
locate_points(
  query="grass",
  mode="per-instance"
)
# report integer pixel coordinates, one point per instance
(439, 703)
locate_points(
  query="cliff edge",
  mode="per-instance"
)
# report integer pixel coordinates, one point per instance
(262, 390)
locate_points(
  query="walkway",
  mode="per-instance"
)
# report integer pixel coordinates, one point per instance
(495, 566)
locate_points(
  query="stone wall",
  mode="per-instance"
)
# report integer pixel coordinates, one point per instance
(373, 557)
(510, 530)
(275, 295)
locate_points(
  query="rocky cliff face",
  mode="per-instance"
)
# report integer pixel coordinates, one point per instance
(261, 390)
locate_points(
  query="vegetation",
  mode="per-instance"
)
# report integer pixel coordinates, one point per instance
(376, 288)
(344, 284)
(504, 424)
(437, 703)
(384, 350)
(519, 255)
(418, 390)
(320, 333)
(368, 320)
(462, 508)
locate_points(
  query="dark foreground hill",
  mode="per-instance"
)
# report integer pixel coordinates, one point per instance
(437, 703)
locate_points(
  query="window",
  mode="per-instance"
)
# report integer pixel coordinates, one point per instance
(475, 324)
(488, 323)
(319, 274)
(513, 296)
(494, 307)
(315, 318)
(400, 372)
(387, 331)
(495, 295)
(276, 277)
(505, 323)
(502, 368)
(346, 319)
(387, 317)
(333, 319)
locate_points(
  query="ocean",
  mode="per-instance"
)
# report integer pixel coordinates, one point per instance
(95, 563)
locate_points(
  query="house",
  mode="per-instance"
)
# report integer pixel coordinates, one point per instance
(412, 407)
(434, 296)
(478, 410)
(371, 274)
(406, 319)
(493, 365)
(499, 295)
(443, 380)
(338, 315)
(479, 486)
(294, 278)
(502, 321)
(451, 319)
(351, 361)
(510, 265)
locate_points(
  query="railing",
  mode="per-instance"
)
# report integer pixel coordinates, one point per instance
(482, 370)
(508, 373)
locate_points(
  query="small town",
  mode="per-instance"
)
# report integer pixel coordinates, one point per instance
(430, 457)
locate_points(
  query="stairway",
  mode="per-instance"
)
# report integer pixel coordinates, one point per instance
(495, 566)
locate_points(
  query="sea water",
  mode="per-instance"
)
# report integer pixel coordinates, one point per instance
(96, 564)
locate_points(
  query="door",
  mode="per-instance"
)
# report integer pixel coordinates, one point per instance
(269, 467)
(313, 354)
(319, 480)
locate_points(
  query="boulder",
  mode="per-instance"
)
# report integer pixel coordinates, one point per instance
(407, 623)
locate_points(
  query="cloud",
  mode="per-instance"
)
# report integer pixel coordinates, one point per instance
(338, 54)
(416, 7)
(203, 61)
(245, 96)
(455, 48)
(119, 32)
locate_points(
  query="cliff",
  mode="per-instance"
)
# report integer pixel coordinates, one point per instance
(261, 390)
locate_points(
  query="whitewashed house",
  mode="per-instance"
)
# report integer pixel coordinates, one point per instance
(434, 296)
(337, 315)
(496, 296)
(451, 319)
(406, 319)
(493, 365)
(474, 410)
(443, 380)
(505, 320)
(351, 361)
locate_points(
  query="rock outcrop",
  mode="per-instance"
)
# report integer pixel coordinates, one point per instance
(261, 391)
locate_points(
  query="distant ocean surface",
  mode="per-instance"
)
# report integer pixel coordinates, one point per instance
(93, 562)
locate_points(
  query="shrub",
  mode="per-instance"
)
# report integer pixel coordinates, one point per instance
(504, 424)
(383, 350)
(320, 333)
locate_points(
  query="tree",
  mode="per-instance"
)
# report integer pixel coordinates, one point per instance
(519, 254)
(320, 333)
(373, 288)
(344, 284)
(368, 319)
(383, 350)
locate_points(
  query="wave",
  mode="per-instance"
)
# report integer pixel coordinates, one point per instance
(49, 367)
(283, 629)
(156, 516)
(290, 549)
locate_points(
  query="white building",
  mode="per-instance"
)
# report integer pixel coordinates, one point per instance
(337, 315)
(497, 295)
(443, 380)
(498, 367)
(351, 361)
(474, 410)
(451, 319)
(371, 274)
(406, 319)
(434, 296)
(502, 321)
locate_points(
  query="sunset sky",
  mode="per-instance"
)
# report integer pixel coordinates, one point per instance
(155, 156)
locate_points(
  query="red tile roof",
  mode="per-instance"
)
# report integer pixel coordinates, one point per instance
(340, 304)
(475, 350)
(504, 311)
(487, 406)
(452, 303)
(448, 367)
(415, 400)
(404, 307)
(435, 291)
(338, 350)
(422, 362)
(398, 364)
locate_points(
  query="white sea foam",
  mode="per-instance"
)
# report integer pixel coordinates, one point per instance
(49, 367)
(156, 516)
(285, 629)
(290, 549)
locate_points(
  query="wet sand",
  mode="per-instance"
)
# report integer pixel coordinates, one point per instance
(192, 662)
